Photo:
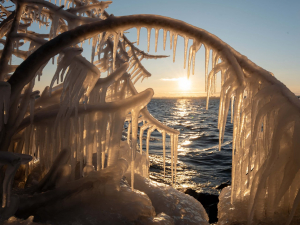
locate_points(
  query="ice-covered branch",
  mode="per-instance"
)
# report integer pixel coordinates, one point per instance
(98, 6)
(52, 111)
(12, 161)
(59, 12)
(144, 54)
(8, 47)
(6, 24)
(139, 69)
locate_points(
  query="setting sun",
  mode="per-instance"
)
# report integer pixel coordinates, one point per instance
(184, 83)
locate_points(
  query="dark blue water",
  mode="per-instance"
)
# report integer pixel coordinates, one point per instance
(201, 166)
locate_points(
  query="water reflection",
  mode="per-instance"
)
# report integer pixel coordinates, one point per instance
(201, 166)
(181, 108)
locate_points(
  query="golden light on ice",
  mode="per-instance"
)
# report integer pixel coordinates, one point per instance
(184, 83)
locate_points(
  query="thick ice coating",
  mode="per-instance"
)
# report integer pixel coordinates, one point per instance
(85, 118)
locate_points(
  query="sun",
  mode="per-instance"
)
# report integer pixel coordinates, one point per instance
(184, 84)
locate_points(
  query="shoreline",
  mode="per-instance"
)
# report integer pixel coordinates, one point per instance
(204, 97)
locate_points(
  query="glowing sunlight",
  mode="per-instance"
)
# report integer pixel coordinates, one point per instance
(184, 84)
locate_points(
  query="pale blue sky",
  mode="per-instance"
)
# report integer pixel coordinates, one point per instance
(266, 31)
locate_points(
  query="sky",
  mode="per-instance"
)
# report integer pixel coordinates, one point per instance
(266, 31)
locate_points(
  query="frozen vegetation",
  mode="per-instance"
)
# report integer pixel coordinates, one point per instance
(63, 152)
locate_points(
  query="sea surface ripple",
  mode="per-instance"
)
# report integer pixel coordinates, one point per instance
(201, 166)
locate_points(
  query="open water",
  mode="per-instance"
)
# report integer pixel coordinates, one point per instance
(201, 166)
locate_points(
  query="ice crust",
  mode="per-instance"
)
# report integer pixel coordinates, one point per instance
(83, 118)
(182, 208)
(100, 197)
(228, 212)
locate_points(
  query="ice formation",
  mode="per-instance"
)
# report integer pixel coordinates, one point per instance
(82, 119)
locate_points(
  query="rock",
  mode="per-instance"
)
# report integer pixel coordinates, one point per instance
(209, 202)
(223, 185)
(213, 213)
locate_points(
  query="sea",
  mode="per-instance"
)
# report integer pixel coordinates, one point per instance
(200, 166)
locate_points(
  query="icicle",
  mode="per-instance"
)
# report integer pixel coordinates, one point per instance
(164, 151)
(174, 47)
(31, 106)
(175, 156)
(94, 43)
(144, 127)
(223, 110)
(73, 158)
(223, 74)
(156, 38)
(186, 41)
(206, 66)
(171, 39)
(128, 132)
(137, 78)
(5, 91)
(231, 109)
(172, 157)
(209, 86)
(189, 61)
(214, 75)
(147, 142)
(198, 46)
(134, 119)
(165, 38)
(138, 35)
(39, 11)
(55, 23)
(149, 132)
(237, 105)
(90, 126)
(104, 131)
(135, 73)
(34, 15)
(148, 34)
(116, 41)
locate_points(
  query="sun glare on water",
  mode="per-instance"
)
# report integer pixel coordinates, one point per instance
(184, 84)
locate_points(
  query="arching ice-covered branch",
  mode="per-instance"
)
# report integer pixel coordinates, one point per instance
(38, 58)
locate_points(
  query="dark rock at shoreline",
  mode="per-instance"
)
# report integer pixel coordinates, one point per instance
(209, 202)
(223, 185)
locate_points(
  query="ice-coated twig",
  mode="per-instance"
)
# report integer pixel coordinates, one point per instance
(8, 47)
(12, 161)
